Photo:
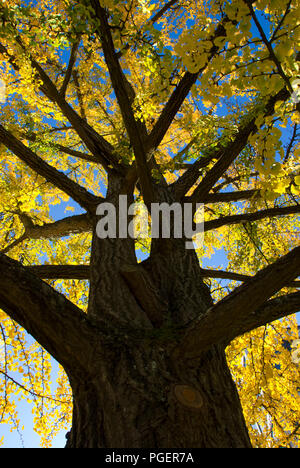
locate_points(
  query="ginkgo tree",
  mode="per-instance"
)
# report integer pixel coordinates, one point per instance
(186, 102)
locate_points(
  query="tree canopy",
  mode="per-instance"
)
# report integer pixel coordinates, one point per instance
(200, 96)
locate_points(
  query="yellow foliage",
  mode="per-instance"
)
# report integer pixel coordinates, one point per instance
(267, 378)
(232, 87)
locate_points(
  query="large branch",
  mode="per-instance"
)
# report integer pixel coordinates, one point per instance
(76, 272)
(169, 112)
(228, 197)
(120, 86)
(96, 144)
(270, 311)
(191, 176)
(232, 276)
(13, 244)
(172, 107)
(224, 156)
(64, 227)
(223, 163)
(179, 95)
(234, 148)
(224, 320)
(84, 198)
(56, 323)
(250, 217)
(83, 223)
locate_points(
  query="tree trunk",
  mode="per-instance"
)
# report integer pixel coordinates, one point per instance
(139, 398)
(135, 393)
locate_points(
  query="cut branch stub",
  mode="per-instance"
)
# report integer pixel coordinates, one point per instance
(188, 396)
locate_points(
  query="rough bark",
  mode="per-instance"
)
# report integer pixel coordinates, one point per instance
(131, 387)
(136, 393)
(139, 390)
(141, 399)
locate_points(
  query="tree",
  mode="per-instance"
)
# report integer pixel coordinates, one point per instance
(174, 102)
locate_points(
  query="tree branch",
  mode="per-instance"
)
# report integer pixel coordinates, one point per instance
(84, 198)
(269, 47)
(65, 227)
(76, 272)
(249, 217)
(14, 244)
(56, 323)
(228, 197)
(230, 275)
(288, 9)
(226, 319)
(71, 64)
(120, 87)
(152, 20)
(79, 95)
(95, 143)
(64, 149)
(290, 145)
(62, 228)
(179, 95)
(75, 153)
(162, 11)
(270, 311)
(233, 149)
(190, 177)
(83, 223)
(232, 196)
(231, 180)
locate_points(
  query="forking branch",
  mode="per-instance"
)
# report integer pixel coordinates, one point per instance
(119, 85)
(231, 316)
(79, 194)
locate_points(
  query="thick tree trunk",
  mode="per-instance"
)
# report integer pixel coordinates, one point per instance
(135, 392)
(139, 398)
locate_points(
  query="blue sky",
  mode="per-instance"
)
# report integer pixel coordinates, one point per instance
(27, 438)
